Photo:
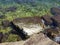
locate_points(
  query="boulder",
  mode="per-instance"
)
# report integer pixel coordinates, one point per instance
(12, 9)
(40, 39)
(55, 10)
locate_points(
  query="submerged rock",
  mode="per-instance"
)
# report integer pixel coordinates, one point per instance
(5, 23)
(2, 16)
(12, 9)
(1, 36)
(55, 10)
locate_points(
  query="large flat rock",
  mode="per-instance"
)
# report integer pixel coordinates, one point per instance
(30, 29)
(40, 39)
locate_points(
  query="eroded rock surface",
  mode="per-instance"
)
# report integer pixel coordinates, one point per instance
(40, 39)
(36, 39)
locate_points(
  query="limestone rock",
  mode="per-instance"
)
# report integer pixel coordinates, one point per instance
(40, 39)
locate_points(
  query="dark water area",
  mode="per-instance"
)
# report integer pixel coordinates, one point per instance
(49, 2)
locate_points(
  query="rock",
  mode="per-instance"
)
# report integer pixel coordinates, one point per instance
(56, 20)
(29, 25)
(57, 39)
(2, 16)
(12, 9)
(55, 10)
(1, 36)
(37, 39)
(5, 23)
(47, 19)
(40, 39)
(13, 43)
(35, 20)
